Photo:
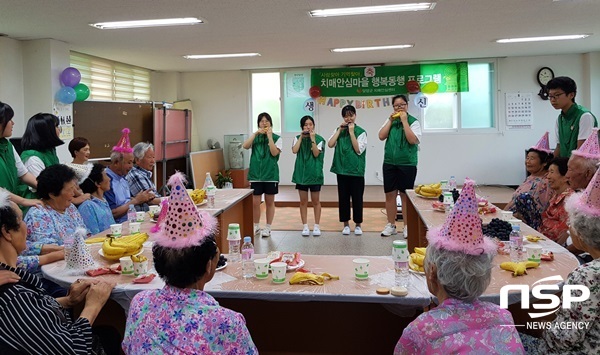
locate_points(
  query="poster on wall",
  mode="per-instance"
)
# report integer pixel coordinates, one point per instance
(64, 112)
(519, 113)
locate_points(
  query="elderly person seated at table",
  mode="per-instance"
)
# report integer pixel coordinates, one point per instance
(96, 213)
(458, 267)
(532, 197)
(181, 318)
(554, 218)
(584, 219)
(31, 321)
(140, 176)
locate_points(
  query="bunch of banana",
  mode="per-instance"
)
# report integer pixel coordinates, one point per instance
(115, 248)
(198, 196)
(518, 269)
(431, 190)
(415, 261)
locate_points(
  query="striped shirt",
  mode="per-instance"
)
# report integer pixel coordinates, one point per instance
(33, 322)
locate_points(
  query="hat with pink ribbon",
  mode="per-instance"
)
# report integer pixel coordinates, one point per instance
(462, 230)
(543, 144)
(123, 146)
(588, 201)
(590, 148)
(181, 224)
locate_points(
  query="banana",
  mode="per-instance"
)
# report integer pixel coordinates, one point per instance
(198, 195)
(115, 248)
(95, 240)
(417, 258)
(421, 251)
(519, 269)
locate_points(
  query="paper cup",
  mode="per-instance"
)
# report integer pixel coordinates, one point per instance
(516, 222)
(361, 268)
(140, 216)
(261, 267)
(534, 253)
(154, 210)
(126, 265)
(278, 269)
(134, 227)
(140, 268)
(506, 215)
(116, 229)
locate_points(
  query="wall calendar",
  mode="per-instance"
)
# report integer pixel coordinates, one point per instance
(518, 110)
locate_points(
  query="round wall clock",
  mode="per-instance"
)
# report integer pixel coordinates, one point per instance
(544, 75)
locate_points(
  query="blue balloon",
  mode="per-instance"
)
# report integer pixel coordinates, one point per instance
(66, 95)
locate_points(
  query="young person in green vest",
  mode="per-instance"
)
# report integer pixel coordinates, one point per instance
(263, 174)
(402, 134)
(309, 148)
(575, 122)
(14, 177)
(349, 160)
(39, 143)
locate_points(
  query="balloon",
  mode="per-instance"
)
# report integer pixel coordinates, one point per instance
(420, 100)
(66, 95)
(82, 91)
(70, 77)
(413, 86)
(430, 88)
(314, 92)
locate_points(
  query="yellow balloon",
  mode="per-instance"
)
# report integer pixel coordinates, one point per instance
(430, 88)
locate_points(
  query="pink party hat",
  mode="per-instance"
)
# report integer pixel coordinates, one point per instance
(543, 144)
(183, 225)
(590, 148)
(462, 229)
(588, 201)
(124, 146)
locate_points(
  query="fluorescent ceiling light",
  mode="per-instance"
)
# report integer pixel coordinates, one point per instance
(539, 39)
(347, 11)
(212, 56)
(377, 48)
(147, 23)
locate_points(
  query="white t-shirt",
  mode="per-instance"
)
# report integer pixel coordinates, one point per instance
(35, 165)
(319, 146)
(21, 169)
(361, 139)
(415, 127)
(586, 123)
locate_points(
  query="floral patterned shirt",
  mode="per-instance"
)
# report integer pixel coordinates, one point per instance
(96, 215)
(457, 327)
(530, 199)
(554, 218)
(184, 321)
(560, 339)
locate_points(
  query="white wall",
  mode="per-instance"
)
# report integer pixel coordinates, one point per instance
(11, 81)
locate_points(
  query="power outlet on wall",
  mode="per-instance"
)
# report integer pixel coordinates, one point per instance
(378, 176)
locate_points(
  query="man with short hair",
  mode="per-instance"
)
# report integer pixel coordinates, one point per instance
(580, 171)
(140, 176)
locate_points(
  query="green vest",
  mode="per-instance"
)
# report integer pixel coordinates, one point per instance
(263, 165)
(397, 150)
(9, 178)
(345, 159)
(48, 157)
(568, 128)
(309, 169)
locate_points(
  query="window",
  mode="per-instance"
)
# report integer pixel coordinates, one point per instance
(266, 93)
(464, 110)
(112, 81)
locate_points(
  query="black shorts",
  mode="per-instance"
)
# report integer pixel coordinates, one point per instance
(264, 187)
(398, 177)
(312, 188)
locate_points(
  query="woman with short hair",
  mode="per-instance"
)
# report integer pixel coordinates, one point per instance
(554, 218)
(96, 212)
(79, 148)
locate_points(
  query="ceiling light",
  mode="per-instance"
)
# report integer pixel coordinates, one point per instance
(539, 39)
(347, 11)
(147, 23)
(377, 48)
(212, 56)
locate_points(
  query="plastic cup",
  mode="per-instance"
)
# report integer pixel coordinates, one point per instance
(116, 229)
(516, 222)
(361, 268)
(140, 268)
(534, 253)
(140, 216)
(278, 269)
(126, 265)
(506, 215)
(261, 267)
(134, 227)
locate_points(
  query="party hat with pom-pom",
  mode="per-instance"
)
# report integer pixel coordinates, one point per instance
(123, 146)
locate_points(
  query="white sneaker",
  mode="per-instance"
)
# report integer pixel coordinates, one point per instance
(358, 230)
(257, 231)
(390, 229)
(346, 230)
(316, 231)
(266, 232)
(305, 231)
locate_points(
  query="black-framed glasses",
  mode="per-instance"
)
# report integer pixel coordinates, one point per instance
(556, 96)
(400, 105)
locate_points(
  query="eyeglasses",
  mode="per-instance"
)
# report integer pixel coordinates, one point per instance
(554, 97)
(400, 105)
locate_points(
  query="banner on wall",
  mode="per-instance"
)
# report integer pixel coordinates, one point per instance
(391, 80)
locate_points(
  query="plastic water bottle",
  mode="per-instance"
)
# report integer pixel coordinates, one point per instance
(68, 245)
(247, 258)
(131, 214)
(208, 181)
(400, 256)
(516, 244)
(233, 239)
(452, 183)
(211, 191)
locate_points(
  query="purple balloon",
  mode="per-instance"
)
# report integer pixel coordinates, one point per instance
(70, 77)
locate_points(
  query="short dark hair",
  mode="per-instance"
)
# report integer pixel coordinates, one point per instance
(6, 114)
(561, 164)
(401, 96)
(53, 179)
(181, 267)
(88, 185)
(76, 144)
(348, 109)
(40, 133)
(265, 115)
(306, 118)
(545, 158)
(8, 218)
(565, 83)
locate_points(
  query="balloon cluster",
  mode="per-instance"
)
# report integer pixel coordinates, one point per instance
(72, 89)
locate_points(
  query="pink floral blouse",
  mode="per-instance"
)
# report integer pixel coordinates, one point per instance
(555, 217)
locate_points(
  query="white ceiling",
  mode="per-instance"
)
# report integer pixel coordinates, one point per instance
(286, 36)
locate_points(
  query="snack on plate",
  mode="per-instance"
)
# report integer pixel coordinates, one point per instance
(549, 256)
(503, 248)
(198, 196)
(415, 260)
(144, 279)
(292, 259)
(431, 190)
(116, 248)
